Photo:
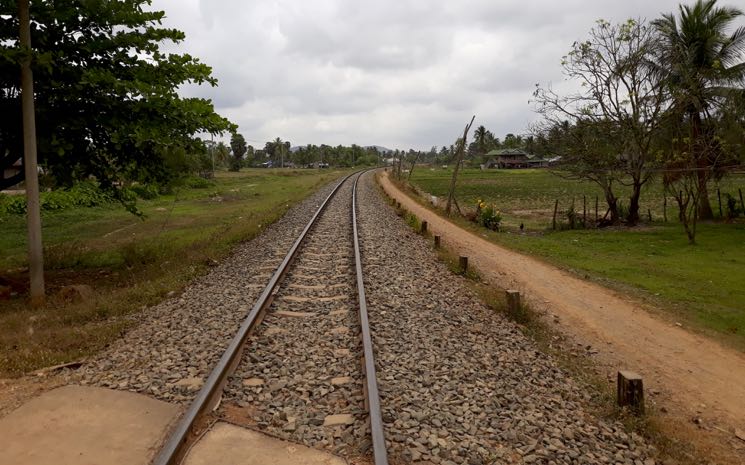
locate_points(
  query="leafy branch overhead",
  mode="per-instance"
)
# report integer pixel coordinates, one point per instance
(107, 98)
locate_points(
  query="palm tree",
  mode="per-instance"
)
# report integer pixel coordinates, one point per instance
(702, 64)
(279, 148)
(479, 136)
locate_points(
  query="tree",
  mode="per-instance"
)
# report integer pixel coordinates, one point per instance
(619, 88)
(512, 141)
(106, 96)
(479, 137)
(703, 66)
(221, 154)
(238, 146)
(588, 152)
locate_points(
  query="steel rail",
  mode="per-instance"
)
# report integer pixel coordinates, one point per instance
(173, 449)
(380, 455)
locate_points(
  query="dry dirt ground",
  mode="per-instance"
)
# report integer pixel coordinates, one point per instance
(696, 385)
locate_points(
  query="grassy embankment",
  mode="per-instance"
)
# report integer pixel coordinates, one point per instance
(130, 263)
(699, 285)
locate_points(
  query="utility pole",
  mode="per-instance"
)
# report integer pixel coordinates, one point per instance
(33, 215)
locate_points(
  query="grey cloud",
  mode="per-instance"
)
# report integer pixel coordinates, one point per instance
(400, 73)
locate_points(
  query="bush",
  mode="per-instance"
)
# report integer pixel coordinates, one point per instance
(145, 191)
(84, 194)
(571, 215)
(732, 210)
(195, 182)
(488, 216)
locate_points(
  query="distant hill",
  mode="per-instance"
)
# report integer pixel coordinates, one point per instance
(380, 148)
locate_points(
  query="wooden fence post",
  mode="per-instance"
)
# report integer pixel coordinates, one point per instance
(424, 227)
(584, 211)
(596, 211)
(556, 207)
(630, 391)
(649, 213)
(437, 242)
(719, 197)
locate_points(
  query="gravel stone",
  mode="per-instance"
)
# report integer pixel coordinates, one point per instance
(184, 336)
(459, 383)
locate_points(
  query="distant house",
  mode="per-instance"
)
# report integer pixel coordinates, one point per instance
(513, 158)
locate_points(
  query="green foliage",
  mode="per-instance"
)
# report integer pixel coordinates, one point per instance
(238, 146)
(107, 102)
(83, 194)
(487, 215)
(194, 182)
(145, 191)
(733, 210)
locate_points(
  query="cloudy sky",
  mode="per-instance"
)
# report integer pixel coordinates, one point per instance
(397, 73)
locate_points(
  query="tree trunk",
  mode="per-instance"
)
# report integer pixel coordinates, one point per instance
(633, 218)
(704, 205)
(612, 202)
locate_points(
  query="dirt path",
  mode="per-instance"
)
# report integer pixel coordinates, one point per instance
(690, 375)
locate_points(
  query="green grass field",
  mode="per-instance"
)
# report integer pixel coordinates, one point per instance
(701, 285)
(130, 262)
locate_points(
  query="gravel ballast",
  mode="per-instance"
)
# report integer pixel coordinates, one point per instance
(460, 384)
(177, 342)
(300, 377)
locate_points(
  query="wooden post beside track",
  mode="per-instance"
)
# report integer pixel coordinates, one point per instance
(463, 264)
(423, 229)
(437, 242)
(513, 301)
(630, 391)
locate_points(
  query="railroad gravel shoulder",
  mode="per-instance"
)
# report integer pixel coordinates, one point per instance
(300, 378)
(460, 384)
(177, 342)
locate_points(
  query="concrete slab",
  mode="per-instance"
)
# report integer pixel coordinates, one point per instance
(227, 444)
(79, 425)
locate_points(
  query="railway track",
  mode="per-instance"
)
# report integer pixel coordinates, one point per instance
(293, 367)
